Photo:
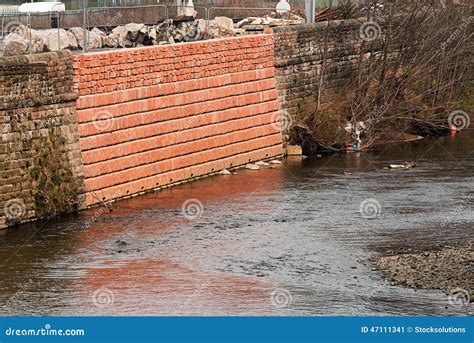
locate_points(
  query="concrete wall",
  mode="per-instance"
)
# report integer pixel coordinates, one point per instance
(37, 114)
(154, 116)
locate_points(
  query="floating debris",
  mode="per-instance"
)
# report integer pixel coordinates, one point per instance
(406, 165)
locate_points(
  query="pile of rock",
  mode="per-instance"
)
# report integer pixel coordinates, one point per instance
(222, 27)
(22, 40)
(270, 20)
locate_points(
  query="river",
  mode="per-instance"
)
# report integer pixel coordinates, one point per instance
(287, 240)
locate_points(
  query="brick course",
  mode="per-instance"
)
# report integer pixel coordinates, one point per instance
(138, 119)
(155, 116)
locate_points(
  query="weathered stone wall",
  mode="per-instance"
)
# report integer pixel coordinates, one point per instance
(299, 54)
(154, 116)
(39, 147)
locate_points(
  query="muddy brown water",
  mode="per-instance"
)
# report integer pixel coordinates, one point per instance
(284, 241)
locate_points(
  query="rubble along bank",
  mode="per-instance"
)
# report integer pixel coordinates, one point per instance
(448, 269)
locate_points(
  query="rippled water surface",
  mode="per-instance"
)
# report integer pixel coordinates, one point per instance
(293, 231)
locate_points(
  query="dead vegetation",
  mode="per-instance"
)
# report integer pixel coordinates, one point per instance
(414, 65)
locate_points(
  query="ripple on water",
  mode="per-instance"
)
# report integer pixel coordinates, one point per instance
(297, 229)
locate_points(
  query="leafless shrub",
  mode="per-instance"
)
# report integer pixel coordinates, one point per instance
(411, 67)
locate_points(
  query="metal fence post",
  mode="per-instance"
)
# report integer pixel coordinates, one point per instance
(28, 31)
(59, 36)
(208, 13)
(310, 10)
(84, 29)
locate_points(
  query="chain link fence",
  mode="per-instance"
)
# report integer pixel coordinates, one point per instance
(107, 18)
(238, 13)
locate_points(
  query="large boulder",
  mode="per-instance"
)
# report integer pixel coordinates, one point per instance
(221, 27)
(95, 38)
(110, 41)
(123, 40)
(36, 42)
(188, 32)
(58, 39)
(71, 41)
(20, 42)
(131, 35)
(136, 32)
(223, 22)
(78, 32)
(14, 44)
(99, 32)
(162, 33)
(17, 28)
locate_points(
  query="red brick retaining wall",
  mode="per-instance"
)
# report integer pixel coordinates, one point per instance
(154, 116)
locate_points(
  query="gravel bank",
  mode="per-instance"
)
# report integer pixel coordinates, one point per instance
(450, 269)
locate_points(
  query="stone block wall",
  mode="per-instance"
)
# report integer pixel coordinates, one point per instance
(299, 55)
(154, 116)
(37, 116)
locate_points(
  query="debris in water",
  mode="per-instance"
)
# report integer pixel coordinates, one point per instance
(406, 165)
(275, 162)
(225, 172)
(252, 166)
(262, 163)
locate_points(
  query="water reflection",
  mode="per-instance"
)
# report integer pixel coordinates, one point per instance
(295, 227)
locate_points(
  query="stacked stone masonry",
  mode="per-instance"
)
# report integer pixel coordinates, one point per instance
(36, 96)
(299, 54)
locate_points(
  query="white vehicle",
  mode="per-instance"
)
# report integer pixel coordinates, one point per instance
(42, 7)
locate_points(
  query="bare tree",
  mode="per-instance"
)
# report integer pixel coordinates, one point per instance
(414, 58)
